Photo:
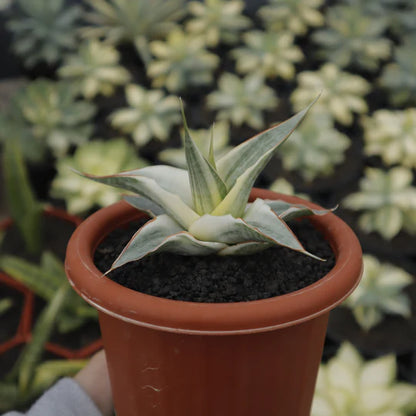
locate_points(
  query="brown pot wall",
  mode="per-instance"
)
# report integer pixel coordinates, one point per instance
(174, 358)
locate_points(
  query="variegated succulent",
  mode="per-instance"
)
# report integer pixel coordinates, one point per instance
(94, 69)
(205, 210)
(388, 200)
(349, 385)
(391, 135)
(269, 54)
(380, 292)
(242, 100)
(217, 20)
(296, 16)
(342, 92)
(44, 30)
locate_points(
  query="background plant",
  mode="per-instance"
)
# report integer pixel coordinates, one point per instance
(94, 69)
(380, 292)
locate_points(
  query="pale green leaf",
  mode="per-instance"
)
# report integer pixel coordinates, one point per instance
(379, 372)
(288, 211)
(144, 204)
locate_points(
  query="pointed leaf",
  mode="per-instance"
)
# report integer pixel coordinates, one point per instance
(211, 155)
(163, 234)
(149, 188)
(207, 187)
(288, 211)
(237, 161)
(144, 204)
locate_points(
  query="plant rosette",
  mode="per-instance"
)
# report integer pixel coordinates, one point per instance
(23, 332)
(174, 357)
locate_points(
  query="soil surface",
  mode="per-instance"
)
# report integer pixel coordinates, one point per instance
(213, 278)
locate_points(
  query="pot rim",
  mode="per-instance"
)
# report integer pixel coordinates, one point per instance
(211, 318)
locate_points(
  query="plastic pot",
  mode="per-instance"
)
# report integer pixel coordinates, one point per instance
(174, 358)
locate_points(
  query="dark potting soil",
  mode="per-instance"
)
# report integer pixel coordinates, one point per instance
(213, 278)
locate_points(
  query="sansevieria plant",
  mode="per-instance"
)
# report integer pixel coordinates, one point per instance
(204, 209)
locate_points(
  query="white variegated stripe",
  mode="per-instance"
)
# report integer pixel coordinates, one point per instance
(163, 234)
(171, 179)
(207, 187)
(238, 160)
(144, 204)
(150, 189)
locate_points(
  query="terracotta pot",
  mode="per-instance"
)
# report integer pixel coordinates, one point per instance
(174, 358)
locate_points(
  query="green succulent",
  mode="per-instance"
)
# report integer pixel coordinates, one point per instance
(342, 92)
(392, 135)
(269, 54)
(204, 209)
(151, 114)
(242, 100)
(348, 385)
(353, 37)
(43, 30)
(217, 21)
(388, 200)
(314, 148)
(181, 61)
(296, 16)
(399, 76)
(94, 69)
(380, 292)
(220, 131)
(99, 157)
(136, 22)
(56, 118)
(282, 186)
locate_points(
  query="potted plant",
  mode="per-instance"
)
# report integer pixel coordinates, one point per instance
(175, 357)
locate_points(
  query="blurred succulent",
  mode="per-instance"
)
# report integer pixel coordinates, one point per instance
(5, 305)
(399, 76)
(5, 4)
(315, 148)
(137, 22)
(283, 186)
(217, 20)
(242, 100)
(44, 280)
(380, 292)
(392, 135)
(353, 38)
(269, 54)
(94, 69)
(99, 157)
(348, 385)
(388, 200)
(30, 376)
(57, 119)
(181, 61)
(342, 93)
(43, 30)
(221, 133)
(204, 209)
(292, 15)
(151, 114)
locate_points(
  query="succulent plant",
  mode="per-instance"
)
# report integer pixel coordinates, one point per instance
(296, 16)
(94, 69)
(44, 30)
(204, 210)
(57, 119)
(217, 21)
(5, 305)
(342, 92)
(151, 114)
(269, 54)
(137, 22)
(399, 76)
(314, 148)
(99, 157)
(220, 131)
(354, 37)
(392, 135)
(242, 100)
(348, 385)
(181, 61)
(380, 292)
(388, 200)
